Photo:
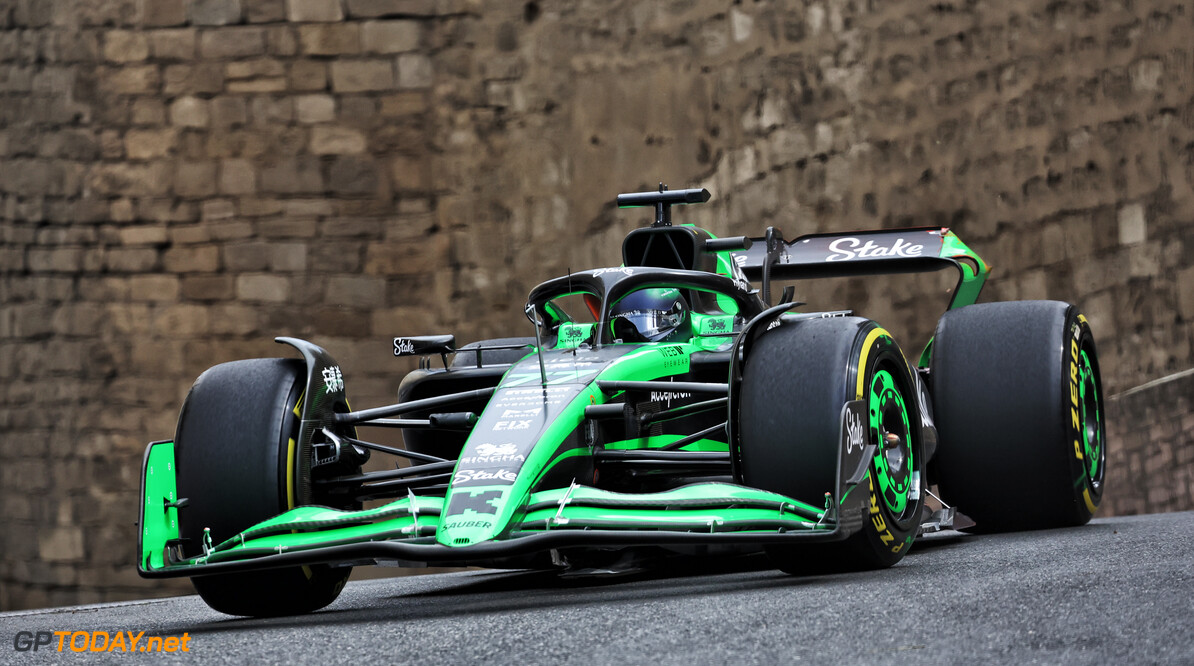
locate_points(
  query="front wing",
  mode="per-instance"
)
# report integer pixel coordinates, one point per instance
(404, 531)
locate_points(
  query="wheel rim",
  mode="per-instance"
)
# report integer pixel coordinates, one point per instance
(894, 463)
(1091, 427)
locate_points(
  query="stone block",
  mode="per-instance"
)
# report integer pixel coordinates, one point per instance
(55, 260)
(147, 111)
(254, 207)
(414, 71)
(390, 36)
(301, 11)
(330, 39)
(153, 288)
(356, 291)
(335, 256)
(125, 46)
(149, 143)
(1146, 74)
(215, 12)
(265, 110)
(247, 69)
(354, 175)
(314, 108)
(237, 176)
(181, 320)
(235, 230)
(292, 175)
(129, 179)
(1132, 225)
(245, 257)
(143, 234)
(160, 13)
(308, 75)
(191, 259)
(257, 86)
(228, 111)
(209, 288)
(291, 257)
(308, 208)
(332, 140)
(130, 260)
(131, 80)
(380, 8)
(201, 77)
(195, 179)
(60, 544)
(189, 234)
(280, 41)
(265, 11)
(394, 259)
(1185, 293)
(268, 288)
(235, 42)
(362, 75)
(409, 173)
(236, 319)
(189, 112)
(217, 209)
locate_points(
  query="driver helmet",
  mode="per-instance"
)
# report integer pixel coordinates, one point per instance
(651, 315)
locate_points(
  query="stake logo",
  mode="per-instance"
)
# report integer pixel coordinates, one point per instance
(855, 437)
(468, 475)
(623, 270)
(403, 346)
(844, 249)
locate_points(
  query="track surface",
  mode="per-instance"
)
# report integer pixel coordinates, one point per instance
(1118, 590)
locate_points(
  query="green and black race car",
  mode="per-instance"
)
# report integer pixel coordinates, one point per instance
(663, 407)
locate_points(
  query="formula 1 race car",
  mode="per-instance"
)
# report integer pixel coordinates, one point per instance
(663, 407)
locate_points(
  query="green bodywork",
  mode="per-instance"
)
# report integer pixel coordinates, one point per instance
(973, 275)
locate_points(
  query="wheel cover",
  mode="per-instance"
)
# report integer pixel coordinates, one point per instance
(1091, 427)
(894, 466)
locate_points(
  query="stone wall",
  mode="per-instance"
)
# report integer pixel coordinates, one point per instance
(182, 180)
(1151, 467)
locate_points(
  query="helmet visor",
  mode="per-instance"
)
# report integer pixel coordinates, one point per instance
(650, 324)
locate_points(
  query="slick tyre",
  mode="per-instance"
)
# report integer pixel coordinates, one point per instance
(795, 383)
(234, 451)
(1018, 403)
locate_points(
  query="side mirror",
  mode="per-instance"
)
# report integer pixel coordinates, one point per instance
(425, 345)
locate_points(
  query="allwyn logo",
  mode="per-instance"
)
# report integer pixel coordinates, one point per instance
(99, 641)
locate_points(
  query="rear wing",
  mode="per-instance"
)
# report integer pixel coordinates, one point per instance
(882, 252)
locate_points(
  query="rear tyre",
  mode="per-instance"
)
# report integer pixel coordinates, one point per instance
(1019, 410)
(235, 447)
(795, 383)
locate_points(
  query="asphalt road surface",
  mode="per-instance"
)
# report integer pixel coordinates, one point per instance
(1120, 590)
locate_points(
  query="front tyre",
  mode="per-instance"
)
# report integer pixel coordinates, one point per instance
(1018, 403)
(795, 383)
(235, 452)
